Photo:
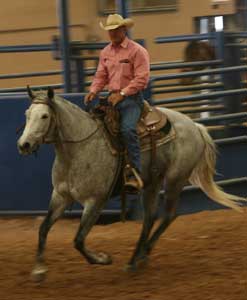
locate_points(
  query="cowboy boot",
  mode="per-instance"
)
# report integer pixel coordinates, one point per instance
(132, 180)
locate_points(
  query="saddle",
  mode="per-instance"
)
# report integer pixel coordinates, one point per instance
(151, 121)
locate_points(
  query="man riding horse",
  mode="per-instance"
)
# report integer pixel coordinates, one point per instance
(124, 68)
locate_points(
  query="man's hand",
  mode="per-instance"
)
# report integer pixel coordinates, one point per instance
(89, 97)
(114, 98)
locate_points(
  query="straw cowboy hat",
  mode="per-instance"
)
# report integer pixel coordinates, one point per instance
(114, 21)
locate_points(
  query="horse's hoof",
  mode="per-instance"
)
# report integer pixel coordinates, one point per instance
(130, 268)
(100, 259)
(39, 273)
(142, 261)
(104, 259)
(137, 263)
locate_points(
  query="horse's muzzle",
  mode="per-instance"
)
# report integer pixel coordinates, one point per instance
(26, 148)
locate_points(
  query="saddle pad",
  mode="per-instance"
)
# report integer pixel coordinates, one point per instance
(161, 138)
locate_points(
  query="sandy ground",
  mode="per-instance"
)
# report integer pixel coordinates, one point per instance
(201, 257)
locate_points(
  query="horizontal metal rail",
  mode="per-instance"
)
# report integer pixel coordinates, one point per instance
(20, 96)
(181, 65)
(170, 84)
(240, 34)
(90, 71)
(236, 117)
(222, 183)
(232, 140)
(26, 48)
(79, 57)
(184, 38)
(44, 28)
(201, 109)
(202, 96)
(198, 107)
(32, 74)
(89, 46)
(237, 45)
(167, 62)
(199, 73)
(9, 94)
(6, 92)
(94, 46)
(194, 103)
(187, 88)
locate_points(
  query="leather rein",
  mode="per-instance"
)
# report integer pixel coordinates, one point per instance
(49, 127)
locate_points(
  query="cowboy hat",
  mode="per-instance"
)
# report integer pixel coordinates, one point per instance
(114, 21)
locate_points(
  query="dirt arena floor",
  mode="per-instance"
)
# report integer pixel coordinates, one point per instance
(202, 257)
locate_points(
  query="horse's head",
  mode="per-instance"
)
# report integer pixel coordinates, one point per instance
(39, 121)
(196, 51)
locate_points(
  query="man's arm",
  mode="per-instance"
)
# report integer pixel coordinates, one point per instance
(99, 81)
(100, 77)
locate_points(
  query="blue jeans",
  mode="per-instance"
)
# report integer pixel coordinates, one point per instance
(130, 110)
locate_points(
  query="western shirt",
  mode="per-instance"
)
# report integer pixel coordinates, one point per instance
(124, 67)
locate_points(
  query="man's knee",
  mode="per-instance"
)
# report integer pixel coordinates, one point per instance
(128, 132)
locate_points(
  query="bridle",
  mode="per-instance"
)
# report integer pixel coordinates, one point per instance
(57, 121)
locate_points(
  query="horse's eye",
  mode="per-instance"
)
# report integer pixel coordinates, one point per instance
(44, 117)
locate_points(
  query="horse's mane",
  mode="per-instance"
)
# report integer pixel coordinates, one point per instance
(69, 105)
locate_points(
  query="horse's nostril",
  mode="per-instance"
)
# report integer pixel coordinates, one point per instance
(26, 146)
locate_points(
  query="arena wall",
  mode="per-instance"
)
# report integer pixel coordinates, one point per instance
(35, 22)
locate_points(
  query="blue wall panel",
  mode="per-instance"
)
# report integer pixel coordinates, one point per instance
(232, 160)
(25, 181)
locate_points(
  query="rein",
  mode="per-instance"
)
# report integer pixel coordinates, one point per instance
(62, 141)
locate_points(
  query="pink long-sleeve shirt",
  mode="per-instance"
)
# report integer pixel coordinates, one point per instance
(124, 67)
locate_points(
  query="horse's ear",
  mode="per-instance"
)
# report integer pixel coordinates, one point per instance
(50, 93)
(30, 93)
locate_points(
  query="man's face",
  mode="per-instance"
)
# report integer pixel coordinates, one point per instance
(117, 35)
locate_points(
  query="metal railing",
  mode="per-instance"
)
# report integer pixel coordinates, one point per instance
(184, 38)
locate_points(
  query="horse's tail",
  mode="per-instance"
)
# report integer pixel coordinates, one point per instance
(203, 174)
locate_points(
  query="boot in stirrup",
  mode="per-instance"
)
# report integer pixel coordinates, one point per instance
(132, 180)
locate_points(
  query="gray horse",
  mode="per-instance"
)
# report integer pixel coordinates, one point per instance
(85, 169)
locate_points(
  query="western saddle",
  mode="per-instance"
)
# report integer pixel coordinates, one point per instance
(152, 127)
(152, 120)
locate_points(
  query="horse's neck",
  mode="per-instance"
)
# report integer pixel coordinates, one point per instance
(73, 124)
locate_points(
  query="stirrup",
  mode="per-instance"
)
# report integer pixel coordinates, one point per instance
(132, 180)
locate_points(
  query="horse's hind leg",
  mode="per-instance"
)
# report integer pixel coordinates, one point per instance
(56, 209)
(172, 197)
(90, 215)
(150, 202)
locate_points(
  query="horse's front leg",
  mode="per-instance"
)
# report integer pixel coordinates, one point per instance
(56, 208)
(89, 217)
